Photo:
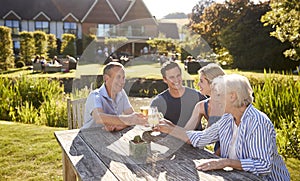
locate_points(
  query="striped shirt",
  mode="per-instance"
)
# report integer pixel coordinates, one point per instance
(255, 145)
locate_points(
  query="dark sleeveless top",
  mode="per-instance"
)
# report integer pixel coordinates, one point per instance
(206, 107)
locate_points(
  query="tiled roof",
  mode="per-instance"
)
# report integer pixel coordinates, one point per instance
(169, 29)
(56, 10)
(91, 11)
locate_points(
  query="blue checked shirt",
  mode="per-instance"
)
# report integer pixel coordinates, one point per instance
(255, 146)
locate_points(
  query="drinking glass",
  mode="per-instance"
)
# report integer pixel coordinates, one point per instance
(153, 116)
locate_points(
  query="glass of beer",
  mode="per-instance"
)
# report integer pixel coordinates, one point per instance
(144, 110)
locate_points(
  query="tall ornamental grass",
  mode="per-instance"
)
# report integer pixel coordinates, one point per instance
(33, 100)
(279, 98)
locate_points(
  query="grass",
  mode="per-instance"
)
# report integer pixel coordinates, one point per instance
(136, 69)
(31, 152)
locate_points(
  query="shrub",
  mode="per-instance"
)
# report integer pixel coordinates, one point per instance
(278, 97)
(40, 43)
(52, 46)
(33, 100)
(68, 44)
(27, 50)
(6, 48)
(20, 64)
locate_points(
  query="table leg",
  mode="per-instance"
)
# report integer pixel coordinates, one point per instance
(68, 172)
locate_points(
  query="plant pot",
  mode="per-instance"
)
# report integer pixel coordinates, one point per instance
(139, 151)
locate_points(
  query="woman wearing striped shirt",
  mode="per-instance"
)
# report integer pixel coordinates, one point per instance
(247, 136)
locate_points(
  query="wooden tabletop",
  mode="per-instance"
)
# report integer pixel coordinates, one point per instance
(100, 155)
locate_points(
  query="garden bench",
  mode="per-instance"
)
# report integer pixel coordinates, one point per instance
(75, 112)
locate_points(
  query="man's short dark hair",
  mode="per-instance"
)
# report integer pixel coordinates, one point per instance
(111, 65)
(167, 66)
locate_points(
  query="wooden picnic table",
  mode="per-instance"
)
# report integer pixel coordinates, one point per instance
(96, 154)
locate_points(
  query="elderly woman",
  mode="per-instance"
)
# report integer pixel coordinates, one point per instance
(247, 136)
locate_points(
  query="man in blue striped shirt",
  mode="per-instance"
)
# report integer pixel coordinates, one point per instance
(247, 136)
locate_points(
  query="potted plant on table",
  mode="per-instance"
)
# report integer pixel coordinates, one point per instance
(138, 148)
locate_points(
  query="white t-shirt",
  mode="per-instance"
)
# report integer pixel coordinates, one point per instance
(232, 151)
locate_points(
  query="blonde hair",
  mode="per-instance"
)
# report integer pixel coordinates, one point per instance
(211, 71)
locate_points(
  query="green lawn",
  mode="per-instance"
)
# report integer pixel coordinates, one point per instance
(135, 69)
(31, 152)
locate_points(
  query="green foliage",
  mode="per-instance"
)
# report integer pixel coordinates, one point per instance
(54, 113)
(284, 17)
(250, 45)
(87, 39)
(6, 48)
(214, 17)
(115, 42)
(68, 44)
(162, 45)
(20, 64)
(40, 43)
(27, 48)
(278, 97)
(33, 100)
(52, 46)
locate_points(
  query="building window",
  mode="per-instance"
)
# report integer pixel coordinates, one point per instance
(16, 48)
(42, 26)
(129, 31)
(70, 27)
(104, 30)
(14, 25)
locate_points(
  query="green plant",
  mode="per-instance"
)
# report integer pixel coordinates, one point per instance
(40, 43)
(33, 100)
(27, 49)
(6, 48)
(26, 113)
(137, 139)
(68, 44)
(51, 45)
(20, 64)
(278, 97)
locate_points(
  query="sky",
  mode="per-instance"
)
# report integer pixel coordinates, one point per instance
(161, 8)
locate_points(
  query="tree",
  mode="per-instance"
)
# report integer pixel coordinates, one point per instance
(162, 45)
(52, 47)
(6, 48)
(215, 17)
(115, 42)
(40, 43)
(27, 48)
(198, 10)
(68, 44)
(284, 17)
(248, 41)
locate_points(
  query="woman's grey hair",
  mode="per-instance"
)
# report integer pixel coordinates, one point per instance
(211, 71)
(234, 83)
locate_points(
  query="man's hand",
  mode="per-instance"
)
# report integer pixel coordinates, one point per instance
(113, 128)
(135, 119)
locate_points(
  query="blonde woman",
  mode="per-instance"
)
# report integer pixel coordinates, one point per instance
(202, 108)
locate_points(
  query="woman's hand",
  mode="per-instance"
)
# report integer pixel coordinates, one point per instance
(164, 126)
(212, 164)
